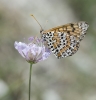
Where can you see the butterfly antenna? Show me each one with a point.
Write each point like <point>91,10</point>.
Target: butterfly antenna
<point>37,22</point>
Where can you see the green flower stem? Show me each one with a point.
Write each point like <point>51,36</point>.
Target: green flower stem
<point>30,79</point>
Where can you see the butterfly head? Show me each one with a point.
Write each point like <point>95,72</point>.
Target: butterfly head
<point>41,30</point>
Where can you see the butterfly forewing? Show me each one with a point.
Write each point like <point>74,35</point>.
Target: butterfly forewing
<point>65,40</point>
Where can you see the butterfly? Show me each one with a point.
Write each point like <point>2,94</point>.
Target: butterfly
<point>64,40</point>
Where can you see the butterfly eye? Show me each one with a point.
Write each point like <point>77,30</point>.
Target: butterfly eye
<point>41,30</point>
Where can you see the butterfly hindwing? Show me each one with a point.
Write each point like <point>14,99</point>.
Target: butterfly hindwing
<point>64,40</point>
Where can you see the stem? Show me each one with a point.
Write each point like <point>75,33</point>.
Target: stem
<point>30,80</point>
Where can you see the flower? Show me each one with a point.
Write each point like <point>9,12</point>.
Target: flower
<point>34,51</point>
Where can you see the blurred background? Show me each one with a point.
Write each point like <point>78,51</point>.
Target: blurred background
<point>72,78</point>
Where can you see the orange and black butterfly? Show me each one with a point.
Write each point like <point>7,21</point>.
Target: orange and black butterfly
<point>64,40</point>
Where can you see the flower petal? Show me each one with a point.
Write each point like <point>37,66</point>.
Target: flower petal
<point>33,52</point>
<point>20,47</point>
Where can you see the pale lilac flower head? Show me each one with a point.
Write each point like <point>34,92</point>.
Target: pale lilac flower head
<point>34,51</point>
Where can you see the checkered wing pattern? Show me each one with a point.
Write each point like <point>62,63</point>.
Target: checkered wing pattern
<point>65,40</point>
